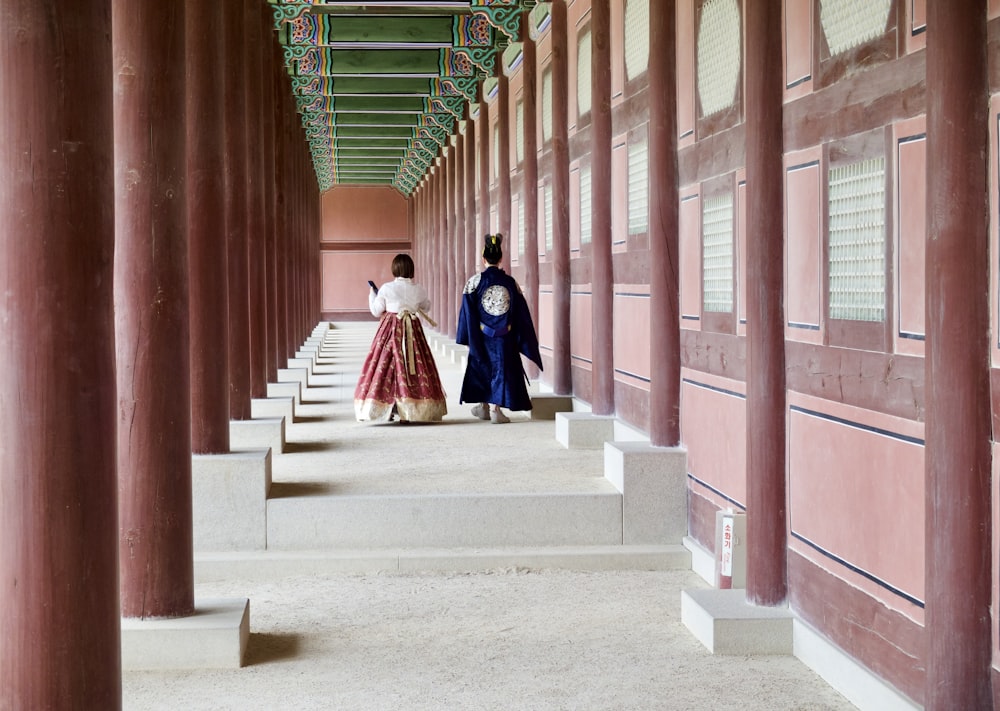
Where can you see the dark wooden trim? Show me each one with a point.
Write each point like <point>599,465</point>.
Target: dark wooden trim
<point>889,383</point>
<point>881,50</point>
<point>885,641</point>
<point>373,246</point>
<point>869,100</point>
<point>715,353</point>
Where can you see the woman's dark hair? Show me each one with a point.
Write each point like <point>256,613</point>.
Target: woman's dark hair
<point>492,251</point>
<point>402,266</point>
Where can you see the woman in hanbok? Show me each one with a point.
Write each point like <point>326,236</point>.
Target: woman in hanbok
<point>399,375</point>
<point>496,325</point>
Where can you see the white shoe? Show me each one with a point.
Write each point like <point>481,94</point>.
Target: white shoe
<point>483,413</point>
<point>499,418</point>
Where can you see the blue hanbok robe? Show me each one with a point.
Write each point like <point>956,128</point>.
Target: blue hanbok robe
<point>496,325</point>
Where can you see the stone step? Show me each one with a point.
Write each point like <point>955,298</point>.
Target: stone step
<point>265,565</point>
<point>444,520</point>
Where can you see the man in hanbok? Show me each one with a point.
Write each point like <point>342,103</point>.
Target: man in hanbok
<point>496,325</point>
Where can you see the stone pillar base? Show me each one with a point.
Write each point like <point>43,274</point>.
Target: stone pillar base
<point>293,390</point>
<point>229,500</point>
<point>726,623</point>
<point>583,430</point>
<point>294,375</point>
<point>653,484</point>
<point>272,407</point>
<point>214,637</point>
<point>257,434</point>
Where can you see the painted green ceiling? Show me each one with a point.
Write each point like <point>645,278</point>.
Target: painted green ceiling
<point>382,85</point>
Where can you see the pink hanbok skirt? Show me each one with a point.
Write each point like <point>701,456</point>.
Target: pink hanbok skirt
<point>399,371</point>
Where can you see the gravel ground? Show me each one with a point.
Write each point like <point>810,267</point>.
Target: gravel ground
<point>507,639</point>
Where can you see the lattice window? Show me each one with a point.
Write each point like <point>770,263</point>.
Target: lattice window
<point>586,205</point>
<point>496,151</point>
<point>638,186</point>
<point>519,131</point>
<point>547,104</point>
<point>857,240</point>
<point>718,55</point>
<point>583,71</point>
<point>850,23</point>
<point>636,37</point>
<point>548,217</point>
<point>717,253</point>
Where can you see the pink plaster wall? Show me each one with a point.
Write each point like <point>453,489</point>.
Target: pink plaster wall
<point>345,276</point>
<point>713,428</point>
<point>619,192</point>
<point>803,253</point>
<point>741,252</point>
<point>690,249</point>
<point>631,333</point>
<point>798,48</point>
<point>916,12</point>
<point>577,18</point>
<point>353,213</point>
<point>994,191</point>
<point>574,208</point>
<point>910,194</point>
<point>546,337</point>
<point>355,220</point>
<point>685,72</point>
<point>581,315</point>
<point>995,545</point>
<point>617,51</point>
<point>855,490</point>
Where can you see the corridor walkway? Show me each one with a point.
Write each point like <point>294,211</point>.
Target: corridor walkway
<point>508,637</point>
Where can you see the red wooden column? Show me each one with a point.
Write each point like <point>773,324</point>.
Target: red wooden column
<point>602,277</point>
<point>235,208</point>
<point>958,570</point>
<point>440,279</point>
<point>766,539</point>
<point>273,359</point>
<point>59,620</point>
<point>151,311</point>
<point>256,242</point>
<point>503,160</point>
<point>209,280</point>
<point>458,233</point>
<point>483,199</point>
<point>449,320</point>
<point>562,375</point>
<point>473,248</point>
<point>664,283</point>
<point>282,94</point>
<point>529,66</point>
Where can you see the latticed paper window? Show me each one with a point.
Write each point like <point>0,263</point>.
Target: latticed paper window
<point>586,205</point>
<point>717,253</point>
<point>638,186</point>
<point>519,131</point>
<point>857,240</point>
<point>850,23</point>
<point>548,217</point>
<point>636,37</point>
<point>583,72</point>
<point>496,150</point>
<point>547,104</point>
<point>718,55</point>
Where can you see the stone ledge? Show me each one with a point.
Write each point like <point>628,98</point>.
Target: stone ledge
<point>214,637</point>
<point>726,623</point>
